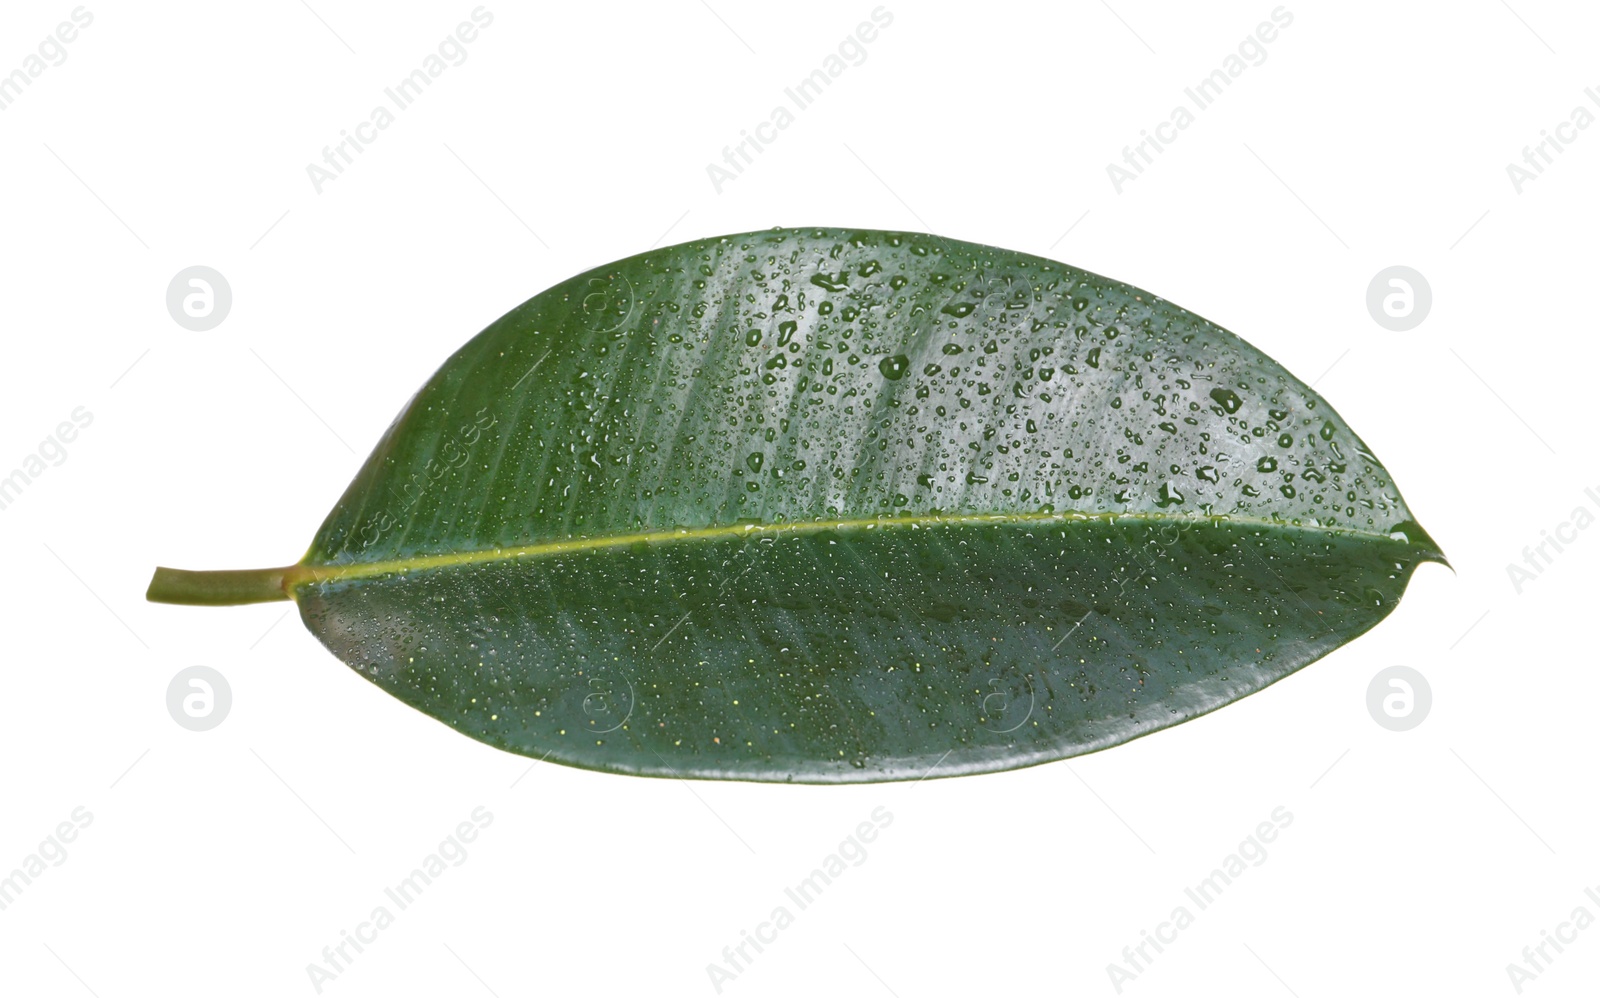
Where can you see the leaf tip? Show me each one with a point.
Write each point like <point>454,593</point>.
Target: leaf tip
<point>1410,532</point>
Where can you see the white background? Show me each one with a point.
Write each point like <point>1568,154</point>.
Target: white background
<point>222,863</point>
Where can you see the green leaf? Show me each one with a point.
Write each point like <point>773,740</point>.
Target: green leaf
<point>843,505</point>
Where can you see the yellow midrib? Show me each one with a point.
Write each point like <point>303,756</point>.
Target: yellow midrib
<point>302,574</point>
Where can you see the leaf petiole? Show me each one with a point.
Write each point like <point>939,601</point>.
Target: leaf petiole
<point>233,587</point>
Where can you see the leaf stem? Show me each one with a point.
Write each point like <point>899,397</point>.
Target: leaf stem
<point>219,588</point>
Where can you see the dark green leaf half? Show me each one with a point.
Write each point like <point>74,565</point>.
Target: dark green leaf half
<point>839,505</point>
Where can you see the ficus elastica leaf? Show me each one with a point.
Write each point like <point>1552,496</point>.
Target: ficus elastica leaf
<point>826,505</point>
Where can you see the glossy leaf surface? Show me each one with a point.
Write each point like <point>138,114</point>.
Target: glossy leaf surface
<point>835,505</point>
